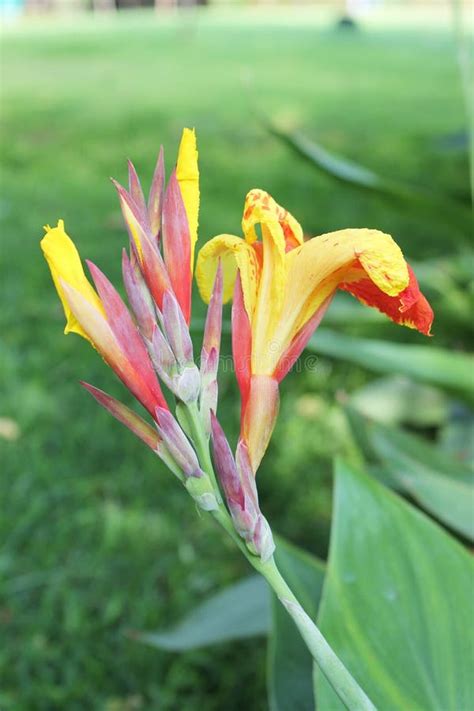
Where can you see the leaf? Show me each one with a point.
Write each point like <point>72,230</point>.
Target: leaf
<point>239,611</point>
<point>457,438</point>
<point>289,662</point>
<point>440,207</point>
<point>404,401</point>
<point>441,485</point>
<point>427,364</point>
<point>397,602</point>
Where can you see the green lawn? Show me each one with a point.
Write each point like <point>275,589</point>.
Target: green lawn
<point>97,537</point>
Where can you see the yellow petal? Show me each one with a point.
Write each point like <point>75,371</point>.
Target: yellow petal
<point>234,253</point>
<point>65,265</point>
<point>317,268</point>
<point>261,208</point>
<point>187,173</point>
<point>269,302</point>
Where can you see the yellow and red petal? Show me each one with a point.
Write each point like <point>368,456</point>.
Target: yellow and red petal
<point>408,308</point>
<point>128,338</point>
<point>65,264</point>
<point>316,269</point>
<point>261,208</point>
<point>98,331</point>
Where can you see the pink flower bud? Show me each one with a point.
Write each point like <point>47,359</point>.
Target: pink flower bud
<point>238,483</point>
<point>176,330</point>
<point>155,199</point>
<point>177,443</point>
<point>138,295</point>
<point>210,352</point>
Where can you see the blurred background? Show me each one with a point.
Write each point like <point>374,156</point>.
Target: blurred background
<point>350,115</point>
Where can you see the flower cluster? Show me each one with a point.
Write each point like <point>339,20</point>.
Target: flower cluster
<point>281,286</point>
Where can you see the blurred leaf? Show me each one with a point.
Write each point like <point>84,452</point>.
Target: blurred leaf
<point>439,207</point>
<point>397,602</point>
<point>439,483</point>
<point>239,611</point>
<point>403,401</point>
<point>428,364</point>
<point>457,439</point>
<point>289,662</point>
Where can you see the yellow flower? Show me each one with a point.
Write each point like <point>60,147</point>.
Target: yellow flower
<point>283,290</point>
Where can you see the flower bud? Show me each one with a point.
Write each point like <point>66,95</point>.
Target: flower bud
<point>238,483</point>
<point>177,443</point>
<point>176,330</point>
<point>210,352</point>
<point>202,492</point>
<point>188,384</point>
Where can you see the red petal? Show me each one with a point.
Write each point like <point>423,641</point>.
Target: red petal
<point>409,308</point>
<point>127,417</point>
<point>155,199</point>
<point>145,384</point>
<point>213,327</point>
<point>138,295</point>
<point>241,343</point>
<point>135,189</point>
<point>177,245</point>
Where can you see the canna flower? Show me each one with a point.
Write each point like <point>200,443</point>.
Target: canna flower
<point>153,338</point>
<point>282,286</point>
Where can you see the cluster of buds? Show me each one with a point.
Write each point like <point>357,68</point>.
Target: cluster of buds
<point>238,483</point>
<point>281,286</point>
<point>150,343</point>
<point>158,280</point>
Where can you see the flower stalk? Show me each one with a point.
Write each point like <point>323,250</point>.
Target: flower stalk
<point>343,683</point>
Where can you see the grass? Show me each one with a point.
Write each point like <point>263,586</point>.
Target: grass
<point>97,538</point>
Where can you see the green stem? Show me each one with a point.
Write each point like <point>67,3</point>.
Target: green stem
<point>343,683</point>
<point>345,686</point>
<point>201,442</point>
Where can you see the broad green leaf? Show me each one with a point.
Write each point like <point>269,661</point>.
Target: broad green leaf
<point>239,611</point>
<point>289,662</point>
<point>397,602</point>
<point>457,438</point>
<point>427,364</point>
<point>426,205</point>
<point>444,486</point>
<point>441,485</point>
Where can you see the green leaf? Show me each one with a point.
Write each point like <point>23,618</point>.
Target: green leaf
<point>404,401</point>
<point>397,602</point>
<point>457,439</point>
<point>427,364</point>
<point>425,204</point>
<point>289,662</point>
<point>443,486</point>
<point>239,611</point>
